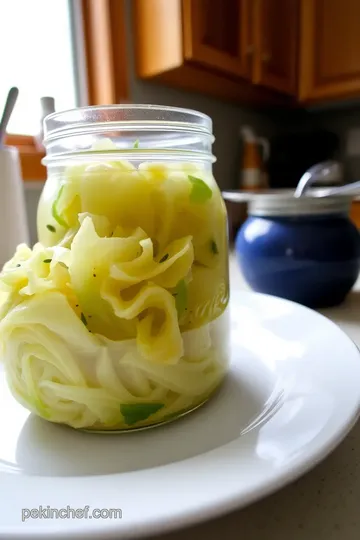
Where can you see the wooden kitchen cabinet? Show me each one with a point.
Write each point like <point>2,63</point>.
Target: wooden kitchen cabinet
<point>329,49</point>
<point>217,35</point>
<point>252,51</point>
<point>276,44</point>
<point>218,47</point>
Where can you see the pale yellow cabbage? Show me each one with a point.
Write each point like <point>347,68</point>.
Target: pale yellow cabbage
<point>104,287</point>
<point>116,318</point>
<point>62,372</point>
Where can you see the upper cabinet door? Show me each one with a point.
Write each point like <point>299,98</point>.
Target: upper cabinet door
<point>276,37</point>
<point>330,49</point>
<point>217,34</point>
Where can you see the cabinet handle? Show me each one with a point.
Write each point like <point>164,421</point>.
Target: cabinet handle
<point>266,58</point>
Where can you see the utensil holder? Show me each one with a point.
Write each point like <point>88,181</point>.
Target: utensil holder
<point>13,219</point>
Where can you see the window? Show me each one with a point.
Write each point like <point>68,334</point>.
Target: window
<point>40,60</point>
<point>71,50</point>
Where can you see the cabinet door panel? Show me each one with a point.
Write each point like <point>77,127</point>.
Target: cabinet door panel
<point>330,48</point>
<point>217,34</point>
<point>276,37</point>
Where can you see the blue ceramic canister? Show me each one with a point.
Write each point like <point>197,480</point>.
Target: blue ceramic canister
<point>306,249</point>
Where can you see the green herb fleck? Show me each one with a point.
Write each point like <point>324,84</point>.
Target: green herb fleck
<point>47,260</point>
<point>51,228</point>
<point>136,412</point>
<point>18,265</point>
<point>214,248</point>
<point>136,144</point>
<point>181,297</point>
<point>54,209</point>
<point>164,258</point>
<point>200,191</point>
<point>83,319</point>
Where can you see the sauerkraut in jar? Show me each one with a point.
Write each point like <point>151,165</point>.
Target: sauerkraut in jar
<point>117,318</point>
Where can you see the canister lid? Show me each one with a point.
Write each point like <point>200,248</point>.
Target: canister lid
<point>277,204</point>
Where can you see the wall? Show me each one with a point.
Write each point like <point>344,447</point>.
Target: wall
<point>342,121</point>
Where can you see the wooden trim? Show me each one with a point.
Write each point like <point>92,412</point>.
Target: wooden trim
<point>30,157</point>
<point>355,213</point>
<point>31,166</point>
<point>119,50</point>
<point>332,92</point>
<point>98,47</point>
<point>20,140</point>
<point>105,47</point>
<point>158,36</point>
<point>220,87</point>
<point>188,25</point>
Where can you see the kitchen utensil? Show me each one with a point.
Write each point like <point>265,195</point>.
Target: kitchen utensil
<point>348,189</point>
<point>253,173</point>
<point>13,220</point>
<point>47,105</point>
<point>327,170</point>
<point>7,112</point>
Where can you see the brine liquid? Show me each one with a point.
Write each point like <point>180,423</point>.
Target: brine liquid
<point>117,318</point>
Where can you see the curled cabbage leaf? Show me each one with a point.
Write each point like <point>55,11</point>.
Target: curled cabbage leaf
<point>35,271</point>
<point>124,289</point>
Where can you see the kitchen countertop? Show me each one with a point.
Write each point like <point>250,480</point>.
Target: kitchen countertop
<point>322,505</point>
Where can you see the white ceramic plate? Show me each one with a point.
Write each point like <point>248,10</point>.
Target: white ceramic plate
<point>292,394</point>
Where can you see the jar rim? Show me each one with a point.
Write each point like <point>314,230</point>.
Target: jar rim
<point>126,116</point>
<point>164,132</point>
<point>277,205</point>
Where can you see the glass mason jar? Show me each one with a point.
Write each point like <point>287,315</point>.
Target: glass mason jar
<point>127,324</point>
